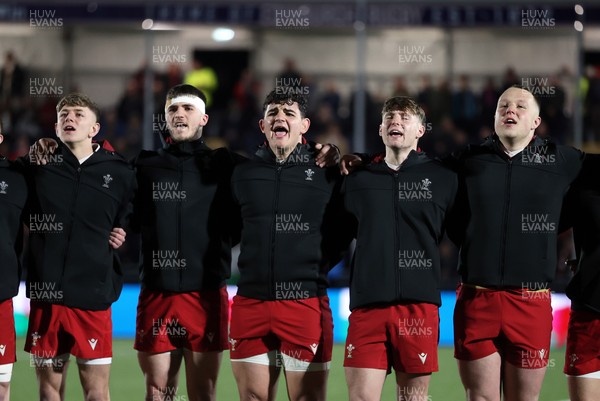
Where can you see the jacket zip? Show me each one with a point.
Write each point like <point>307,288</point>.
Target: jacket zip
<point>395,196</point>
<point>178,243</point>
<point>73,203</point>
<point>505,221</point>
<point>274,224</point>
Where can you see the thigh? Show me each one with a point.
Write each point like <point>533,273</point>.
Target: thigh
<point>583,389</point>
<point>412,387</point>
<point>522,384</point>
<point>365,384</point>
<point>94,380</point>
<point>255,381</point>
<point>307,385</point>
<point>202,370</point>
<point>481,377</point>
<point>161,370</point>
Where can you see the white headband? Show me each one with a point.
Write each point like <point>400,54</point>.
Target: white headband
<point>193,100</point>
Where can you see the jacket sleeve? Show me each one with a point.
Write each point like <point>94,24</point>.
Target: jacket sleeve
<point>125,213</point>
<point>339,227</point>
<point>458,215</point>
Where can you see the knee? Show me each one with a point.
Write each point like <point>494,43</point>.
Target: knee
<point>97,395</point>
<point>4,387</point>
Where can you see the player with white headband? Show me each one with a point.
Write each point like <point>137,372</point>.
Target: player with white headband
<point>185,214</point>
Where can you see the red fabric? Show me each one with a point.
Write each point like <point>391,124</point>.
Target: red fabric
<point>515,323</point>
<point>104,144</point>
<point>57,329</point>
<point>300,328</point>
<point>7,333</point>
<point>583,343</point>
<point>193,320</point>
<point>404,336</point>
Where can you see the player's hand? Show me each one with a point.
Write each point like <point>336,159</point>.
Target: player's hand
<point>41,149</point>
<point>117,237</point>
<point>329,155</point>
<point>349,162</point>
<point>572,264</point>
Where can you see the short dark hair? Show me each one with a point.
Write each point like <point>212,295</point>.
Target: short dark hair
<point>185,89</point>
<point>525,88</point>
<point>287,95</point>
<point>81,100</point>
<point>404,103</point>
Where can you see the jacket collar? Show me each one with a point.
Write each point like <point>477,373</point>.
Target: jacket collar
<point>494,143</point>
<point>187,147</point>
<point>413,158</point>
<point>265,153</point>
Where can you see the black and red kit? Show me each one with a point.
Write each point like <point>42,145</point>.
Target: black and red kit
<point>401,216</point>
<point>511,209</point>
<point>74,208</point>
<point>292,233</point>
<point>185,214</point>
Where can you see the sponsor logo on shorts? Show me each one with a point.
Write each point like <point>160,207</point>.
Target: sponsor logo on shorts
<point>34,337</point>
<point>210,337</point>
<point>3,186</point>
<point>422,357</point>
<point>572,359</point>
<point>314,348</point>
<point>350,348</point>
<point>93,342</point>
<point>2,349</point>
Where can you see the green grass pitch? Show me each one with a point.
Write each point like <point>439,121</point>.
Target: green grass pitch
<point>126,382</point>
